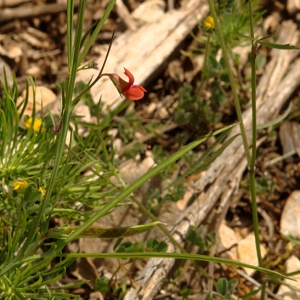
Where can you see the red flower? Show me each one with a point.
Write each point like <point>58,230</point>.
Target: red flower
<point>128,89</point>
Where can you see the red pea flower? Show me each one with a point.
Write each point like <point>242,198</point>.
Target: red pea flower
<point>127,89</point>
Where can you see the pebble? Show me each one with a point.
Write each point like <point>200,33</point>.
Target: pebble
<point>290,218</point>
<point>247,252</point>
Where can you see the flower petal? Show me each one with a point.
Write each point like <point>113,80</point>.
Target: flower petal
<point>136,92</point>
<point>130,77</point>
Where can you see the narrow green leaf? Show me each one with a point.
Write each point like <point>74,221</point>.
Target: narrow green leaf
<point>70,15</point>
<point>277,120</point>
<point>279,46</point>
<point>55,296</point>
<point>251,294</point>
<point>199,164</point>
<point>36,284</point>
<point>265,37</point>
<point>215,155</point>
<point>70,286</point>
<point>186,256</point>
<point>87,34</point>
<point>97,232</point>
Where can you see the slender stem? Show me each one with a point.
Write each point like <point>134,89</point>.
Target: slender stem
<point>252,182</point>
<point>253,157</point>
<point>67,111</point>
<point>231,80</point>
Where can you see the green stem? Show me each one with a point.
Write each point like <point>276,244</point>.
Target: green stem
<point>252,182</point>
<point>231,80</point>
<point>67,111</point>
<point>253,157</point>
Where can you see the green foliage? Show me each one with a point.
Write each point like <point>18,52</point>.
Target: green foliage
<point>203,242</point>
<point>251,294</point>
<point>39,180</point>
<point>175,193</point>
<point>234,16</point>
<point>154,200</point>
<point>152,245</point>
<point>156,197</point>
<point>185,293</point>
<point>195,109</point>
<point>195,112</point>
<point>226,288</point>
<point>102,285</point>
<point>263,186</point>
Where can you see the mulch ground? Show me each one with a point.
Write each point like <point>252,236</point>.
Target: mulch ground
<point>33,42</point>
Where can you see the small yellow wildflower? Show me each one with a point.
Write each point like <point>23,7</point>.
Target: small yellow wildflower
<point>209,22</point>
<point>36,125</point>
<point>20,186</point>
<point>42,191</point>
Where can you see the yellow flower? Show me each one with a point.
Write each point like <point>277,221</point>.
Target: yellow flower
<point>209,22</point>
<point>36,125</point>
<point>42,191</point>
<point>20,186</point>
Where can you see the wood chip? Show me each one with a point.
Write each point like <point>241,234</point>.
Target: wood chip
<point>11,3</point>
<point>289,133</point>
<point>31,40</point>
<point>37,33</point>
<point>125,15</point>
<point>9,14</point>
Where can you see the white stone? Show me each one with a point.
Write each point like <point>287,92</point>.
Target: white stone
<point>291,265</point>
<point>247,252</point>
<point>226,239</point>
<point>290,218</point>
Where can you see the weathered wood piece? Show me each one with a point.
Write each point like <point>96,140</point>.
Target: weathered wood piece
<point>125,15</point>
<point>281,78</point>
<point>145,51</point>
<point>289,133</point>
<point>9,14</point>
<point>10,3</point>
